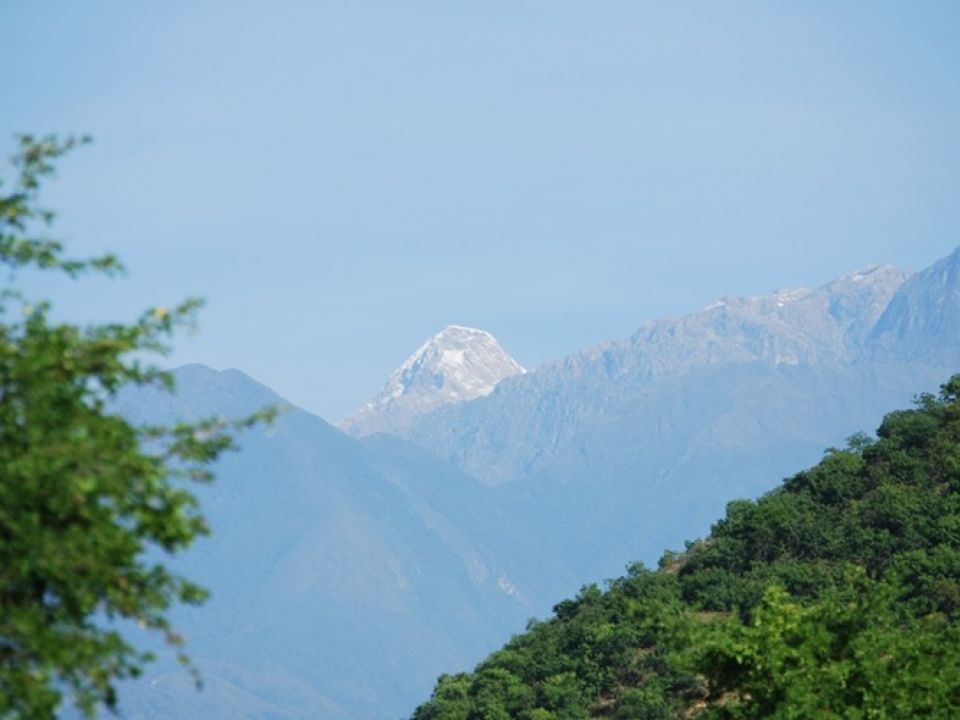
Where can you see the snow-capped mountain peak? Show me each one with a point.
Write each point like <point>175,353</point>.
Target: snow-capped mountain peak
<point>456,365</point>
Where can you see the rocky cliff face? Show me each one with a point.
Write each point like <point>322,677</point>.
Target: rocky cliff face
<point>456,365</point>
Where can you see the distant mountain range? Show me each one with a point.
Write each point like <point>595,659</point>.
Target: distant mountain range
<point>348,571</point>
<point>521,429</point>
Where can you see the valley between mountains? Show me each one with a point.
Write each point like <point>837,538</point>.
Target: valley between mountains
<point>351,566</point>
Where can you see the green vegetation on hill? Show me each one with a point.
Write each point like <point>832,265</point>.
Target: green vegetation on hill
<point>837,595</point>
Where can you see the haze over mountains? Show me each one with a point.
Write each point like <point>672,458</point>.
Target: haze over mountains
<point>344,575</point>
<point>348,572</point>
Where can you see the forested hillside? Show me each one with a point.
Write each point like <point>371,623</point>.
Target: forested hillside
<point>837,595</point>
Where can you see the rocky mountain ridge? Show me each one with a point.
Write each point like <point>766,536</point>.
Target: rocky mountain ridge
<point>691,411</point>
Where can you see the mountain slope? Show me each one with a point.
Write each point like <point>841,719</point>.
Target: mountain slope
<point>922,323</point>
<point>329,565</point>
<point>837,594</point>
<point>456,365</point>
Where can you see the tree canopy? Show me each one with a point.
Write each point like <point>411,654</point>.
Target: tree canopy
<point>83,492</point>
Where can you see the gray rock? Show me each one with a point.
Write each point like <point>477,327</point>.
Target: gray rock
<point>456,365</point>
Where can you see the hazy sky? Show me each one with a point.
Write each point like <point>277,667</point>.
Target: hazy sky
<point>341,179</point>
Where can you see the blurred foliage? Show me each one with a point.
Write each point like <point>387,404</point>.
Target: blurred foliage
<point>837,595</point>
<point>83,493</point>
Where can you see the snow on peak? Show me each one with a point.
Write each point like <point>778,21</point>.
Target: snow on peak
<point>789,295</point>
<point>456,365</point>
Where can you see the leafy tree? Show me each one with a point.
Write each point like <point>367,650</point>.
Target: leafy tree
<point>644,703</point>
<point>451,700</point>
<point>83,493</point>
<point>852,654</point>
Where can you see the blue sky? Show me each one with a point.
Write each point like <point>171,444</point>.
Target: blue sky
<point>341,179</point>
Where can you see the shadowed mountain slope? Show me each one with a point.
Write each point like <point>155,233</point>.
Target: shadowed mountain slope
<point>344,575</point>
<point>922,322</point>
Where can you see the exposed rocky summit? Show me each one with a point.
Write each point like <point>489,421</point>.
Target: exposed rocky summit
<point>456,365</point>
